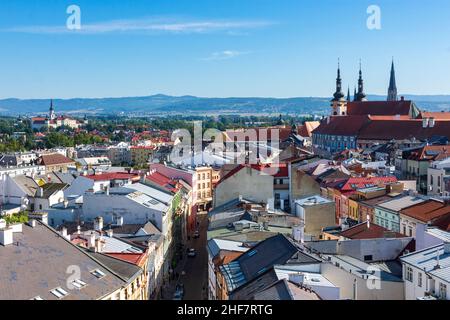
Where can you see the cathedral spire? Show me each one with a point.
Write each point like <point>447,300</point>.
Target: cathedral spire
<point>360,96</point>
<point>349,98</point>
<point>338,95</point>
<point>51,113</point>
<point>392,91</point>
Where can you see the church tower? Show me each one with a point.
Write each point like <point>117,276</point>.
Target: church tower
<point>339,104</point>
<point>51,114</point>
<point>392,91</point>
<point>360,95</point>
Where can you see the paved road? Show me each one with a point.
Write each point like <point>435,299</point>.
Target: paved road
<point>196,269</point>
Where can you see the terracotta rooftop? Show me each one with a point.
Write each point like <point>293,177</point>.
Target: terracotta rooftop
<point>403,129</point>
<point>366,182</point>
<point>54,159</point>
<point>361,231</point>
<point>380,108</point>
<point>113,176</point>
<point>427,211</point>
<point>343,126</point>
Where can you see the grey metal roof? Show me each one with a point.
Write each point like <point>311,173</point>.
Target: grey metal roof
<point>277,250</point>
<point>427,260</point>
<point>38,262</point>
<point>126,270</point>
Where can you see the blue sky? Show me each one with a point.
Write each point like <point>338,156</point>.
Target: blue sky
<point>220,48</point>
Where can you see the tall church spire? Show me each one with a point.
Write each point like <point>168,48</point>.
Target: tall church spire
<point>349,98</point>
<point>360,96</point>
<point>338,95</point>
<point>51,113</point>
<point>392,91</point>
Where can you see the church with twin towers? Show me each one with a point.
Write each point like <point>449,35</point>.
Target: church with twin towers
<point>339,101</point>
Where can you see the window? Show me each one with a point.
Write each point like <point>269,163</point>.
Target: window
<point>409,274</point>
<point>443,291</point>
<point>79,284</point>
<point>419,279</point>
<point>98,273</point>
<point>368,258</point>
<point>59,292</point>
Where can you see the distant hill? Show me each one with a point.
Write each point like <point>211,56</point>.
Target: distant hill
<point>163,105</point>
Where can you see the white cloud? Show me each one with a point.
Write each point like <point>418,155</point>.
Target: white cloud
<point>225,55</point>
<point>147,26</point>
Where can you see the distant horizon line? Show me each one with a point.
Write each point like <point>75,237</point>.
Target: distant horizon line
<point>219,97</point>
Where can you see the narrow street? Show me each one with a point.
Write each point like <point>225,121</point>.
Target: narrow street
<point>196,269</point>
<point>195,277</point>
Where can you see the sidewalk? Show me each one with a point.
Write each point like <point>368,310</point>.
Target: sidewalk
<point>169,288</point>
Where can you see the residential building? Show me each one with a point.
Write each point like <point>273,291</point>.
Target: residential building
<point>425,273</point>
<point>141,155</point>
<point>43,247</point>
<point>387,214</point>
<point>438,181</point>
<point>315,213</point>
<point>55,162</point>
<point>415,219</point>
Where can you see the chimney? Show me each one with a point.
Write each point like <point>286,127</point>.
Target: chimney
<point>425,123</point>
<point>119,221</point>
<point>98,224</point>
<point>32,223</point>
<point>99,245</point>
<point>368,221</point>
<point>91,240</point>
<point>402,98</point>
<point>40,192</point>
<point>328,119</point>
<point>78,230</point>
<point>66,203</point>
<point>6,236</point>
<point>110,233</point>
<point>431,122</point>
<point>64,232</point>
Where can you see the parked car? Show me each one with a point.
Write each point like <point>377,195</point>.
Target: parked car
<point>179,293</point>
<point>192,253</point>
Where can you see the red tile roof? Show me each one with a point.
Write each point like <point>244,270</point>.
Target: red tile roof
<point>435,115</point>
<point>366,182</point>
<point>114,176</point>
<point>427,211</point>
<point>379,108</point>
<point>282,170</point>
<point>163,181</point>
<point>375,231</point>
<point>443,222</point>
<point>430,153</point>
<point>262,134</point>
<point>134,258</point>
<point>402,129</point>
<point>55,159</point>
<point>342,126</point>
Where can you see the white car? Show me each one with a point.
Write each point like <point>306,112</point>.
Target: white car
<point>192,253</point>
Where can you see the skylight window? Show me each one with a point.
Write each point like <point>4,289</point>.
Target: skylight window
<point>37,298</point>
<point>98,273</point>
<point>252,253</point>
<point>79,284</point>
<point>59,293</point>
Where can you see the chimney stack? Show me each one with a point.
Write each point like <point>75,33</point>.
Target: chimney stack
<point>6,236</point>
<point>431,122</point>
<point>98,224</point>
<point>64,233</point>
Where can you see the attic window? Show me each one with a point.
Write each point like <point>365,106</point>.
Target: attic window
<point>59,292</point>
<point>98,273</point>
<point>79,284</point>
